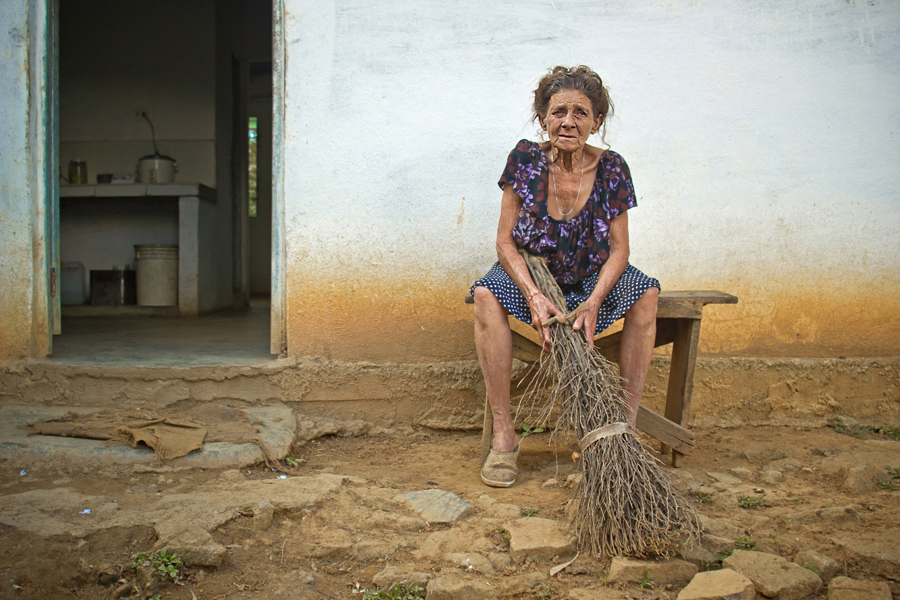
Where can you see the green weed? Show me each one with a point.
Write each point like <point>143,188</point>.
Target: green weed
<point>891,432</point>
<point>752,502</point>
<point>703,498</point>
<point>528,430</point>
<point>646,580</point>
<point>894,473</point>
<point>396,591</point>
<point>744,543</point>
<point>529,512</point>
<point>890,485</point>
<point>167,565</point>
<point>293,463</point>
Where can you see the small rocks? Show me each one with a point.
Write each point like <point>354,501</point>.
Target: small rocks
<point>858,480</point>
<point>844,588</point>
<point>552,482</point>
<point>390,575</point>
<point>453,587</point>
<point>539,540</point>
<point>725,584</point>
<point>725,478</point>
<point>742,473</point>
<point>598,594</point>
<point>826,567</point>
<point>470,561</point>
<point>624,570</point>
<point>196,547</point>
<point>771,476</point>
<point>832,515</point>
<point>880,555</point>
<point>515,585</point>
<point>263,513</point>
<point>697,555</point>
<point>436,506</point>
<point>773,576</point>
<point>717,544</point>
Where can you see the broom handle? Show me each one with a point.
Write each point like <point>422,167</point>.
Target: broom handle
<point>540,274</point>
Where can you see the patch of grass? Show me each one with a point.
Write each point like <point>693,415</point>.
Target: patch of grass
<point>723,555</point>
<point>293,463</point>
<point>894,473</point>
<point>396,591</point>
<point>891,432</point>
<point>529,430</point>
<point>800,500</point>
<point>753,502</point>
<point>529,512</point>
<point>890,485</point>
<point>712,565</point>
<point>704,498</point>
<point>744,543</point>
<point>839,426</point>
<point>168,565</point>
<point>646,580</point>
<point>548,594</point>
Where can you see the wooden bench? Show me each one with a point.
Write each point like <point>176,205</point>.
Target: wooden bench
<point>677,323</point>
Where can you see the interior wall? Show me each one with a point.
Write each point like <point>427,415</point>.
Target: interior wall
<point>761,138</point>
<point>261,225</point>
<point>119,57</point>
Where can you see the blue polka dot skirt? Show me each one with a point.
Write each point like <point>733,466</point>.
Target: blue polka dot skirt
<point>624,294</point>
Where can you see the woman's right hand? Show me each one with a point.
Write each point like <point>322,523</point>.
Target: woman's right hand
<point>541,310</point>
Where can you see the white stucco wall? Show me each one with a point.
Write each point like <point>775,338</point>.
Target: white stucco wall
<point>762,138</point>
<point>23,306</point>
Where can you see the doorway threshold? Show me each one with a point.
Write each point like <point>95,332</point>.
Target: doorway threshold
<point>233,338</point>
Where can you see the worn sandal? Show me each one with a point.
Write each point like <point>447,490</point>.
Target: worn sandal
<point>500,469</point>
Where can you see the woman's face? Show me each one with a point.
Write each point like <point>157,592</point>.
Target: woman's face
<point>569,120</point>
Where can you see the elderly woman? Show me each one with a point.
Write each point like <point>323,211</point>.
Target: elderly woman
<point>567,201</point>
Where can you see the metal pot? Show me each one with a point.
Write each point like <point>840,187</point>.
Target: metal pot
<point>156,168</point>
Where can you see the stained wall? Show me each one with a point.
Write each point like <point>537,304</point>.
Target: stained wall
<point>762,138</point>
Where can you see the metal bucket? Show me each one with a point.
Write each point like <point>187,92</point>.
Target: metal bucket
<point>157,274</point>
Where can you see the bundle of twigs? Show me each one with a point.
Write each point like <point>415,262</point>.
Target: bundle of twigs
<point>625,503</point>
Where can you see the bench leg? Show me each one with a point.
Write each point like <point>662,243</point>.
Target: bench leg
<point>681,376</point>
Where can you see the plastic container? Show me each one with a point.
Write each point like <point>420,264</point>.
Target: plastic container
<point>71,283</point>
<point>78,172</point>
<point>157,274</point>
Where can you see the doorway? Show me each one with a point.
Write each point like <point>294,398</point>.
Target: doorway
<point>138,79</point>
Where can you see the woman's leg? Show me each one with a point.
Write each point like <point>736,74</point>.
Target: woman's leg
<point>493,341</point>
<point>636,349</point>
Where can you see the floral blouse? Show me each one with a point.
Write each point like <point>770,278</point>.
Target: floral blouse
<point>579,246</point>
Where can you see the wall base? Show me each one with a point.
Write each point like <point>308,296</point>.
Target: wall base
<point>728,392</point>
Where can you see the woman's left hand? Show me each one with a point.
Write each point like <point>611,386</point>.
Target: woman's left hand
<point>586,320</point>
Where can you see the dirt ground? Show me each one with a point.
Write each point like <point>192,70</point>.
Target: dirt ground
<point>833,493</point>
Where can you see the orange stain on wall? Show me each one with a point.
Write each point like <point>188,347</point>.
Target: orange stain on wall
<point>415,321</point>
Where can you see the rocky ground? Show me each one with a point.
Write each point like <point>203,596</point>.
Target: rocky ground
<point>787,512</point>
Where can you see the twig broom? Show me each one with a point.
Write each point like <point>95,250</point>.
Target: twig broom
<point>625,503</point>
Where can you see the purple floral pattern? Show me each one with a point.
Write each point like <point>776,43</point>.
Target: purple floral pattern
<point>578,247</point>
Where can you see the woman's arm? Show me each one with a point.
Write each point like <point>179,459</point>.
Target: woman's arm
<point>541,308</point>
<point>610,273</point>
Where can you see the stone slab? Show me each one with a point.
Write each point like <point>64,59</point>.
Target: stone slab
<point>725,584</point>
<point>276,426</point>
<point>539,540</point>
<point>660,572</point>
<point>436,506</point>
<point>774,576</point>
<point>844,588</point>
